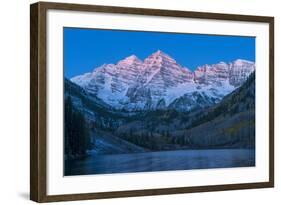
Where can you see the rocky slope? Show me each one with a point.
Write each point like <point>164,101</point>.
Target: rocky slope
<point>159,82</point>
<point>228,124</point>
<point>94,109</point>
<point>101,119</point>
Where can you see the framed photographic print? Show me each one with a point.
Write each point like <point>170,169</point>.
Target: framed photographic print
<point>134,102</point>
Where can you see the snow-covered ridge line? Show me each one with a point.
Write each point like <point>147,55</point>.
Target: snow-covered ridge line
<point>160,82</point>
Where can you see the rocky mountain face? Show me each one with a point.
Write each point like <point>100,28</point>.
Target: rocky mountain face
<point>94,109</point>
<point>233,118</point>
<point>228,124</point>
<point>159,82</point>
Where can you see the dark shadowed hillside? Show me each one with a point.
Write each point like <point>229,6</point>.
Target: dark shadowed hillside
<point>230,123</point>
<point>102,120</point>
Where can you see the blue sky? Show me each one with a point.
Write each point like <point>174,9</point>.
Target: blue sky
<point>86,49</point>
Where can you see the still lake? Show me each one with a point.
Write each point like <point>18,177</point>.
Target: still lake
<point>161,161</point>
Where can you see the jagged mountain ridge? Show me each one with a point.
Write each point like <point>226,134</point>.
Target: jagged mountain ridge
<point>228,124</point>
<point>159,82</point>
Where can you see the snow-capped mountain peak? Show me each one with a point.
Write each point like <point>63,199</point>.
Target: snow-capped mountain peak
<point>158,58</point>
<point>242,61</point>
<point>160,82</point>
<point>130,60</point>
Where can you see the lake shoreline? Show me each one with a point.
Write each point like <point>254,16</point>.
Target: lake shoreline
<point>187,149</point>
<point>161,161</point>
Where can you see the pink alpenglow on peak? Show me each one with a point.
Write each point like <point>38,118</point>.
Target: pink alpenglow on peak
<point>158,57</point>
<point>159,81</point>
<point>133,59</point>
